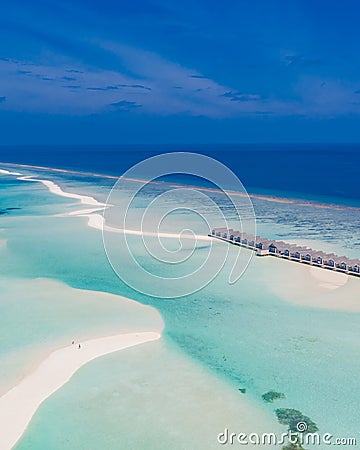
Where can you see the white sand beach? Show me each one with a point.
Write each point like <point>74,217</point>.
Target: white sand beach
<point>56,189</point>
<point>7,172</point>
<point>97,221</point>
<point>19,404</point>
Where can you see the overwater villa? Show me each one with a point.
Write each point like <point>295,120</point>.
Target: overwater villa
<point>281,249</point>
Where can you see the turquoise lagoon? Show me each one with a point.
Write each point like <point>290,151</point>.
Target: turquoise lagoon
<point>182,391</point>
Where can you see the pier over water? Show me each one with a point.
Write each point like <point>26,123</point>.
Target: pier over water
<point>280,249</point>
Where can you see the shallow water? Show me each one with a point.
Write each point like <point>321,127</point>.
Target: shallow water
<point>246,334</point>
<point>151,397</point>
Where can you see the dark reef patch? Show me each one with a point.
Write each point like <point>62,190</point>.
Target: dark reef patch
<point>296,421</point>
<point>271,396</point>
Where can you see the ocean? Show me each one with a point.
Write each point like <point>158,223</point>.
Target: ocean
<point>278,328</point>
<point>327,171</point>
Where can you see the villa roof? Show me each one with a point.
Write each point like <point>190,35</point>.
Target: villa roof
<point>354,262</point>
<point>282,246</point>
<point>319,254</point>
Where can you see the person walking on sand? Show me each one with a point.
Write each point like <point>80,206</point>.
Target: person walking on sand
<point>79,346</point>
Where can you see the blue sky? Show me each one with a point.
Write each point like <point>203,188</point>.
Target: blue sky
<point>161,71</point>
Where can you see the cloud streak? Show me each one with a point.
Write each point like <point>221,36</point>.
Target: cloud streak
<point>241,97</point>
<point>125,105</point>
<point>155,85</point>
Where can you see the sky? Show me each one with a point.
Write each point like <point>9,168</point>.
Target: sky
<point>143,71</point>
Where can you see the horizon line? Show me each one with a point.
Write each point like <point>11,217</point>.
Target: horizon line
<point>216,144</point>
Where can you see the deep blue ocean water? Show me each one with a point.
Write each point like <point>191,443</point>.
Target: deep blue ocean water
<point>324,172</point>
